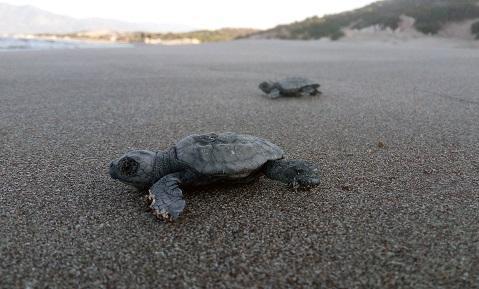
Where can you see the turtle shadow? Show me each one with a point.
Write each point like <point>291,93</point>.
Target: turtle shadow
<point>209,193</point>
<point>309,98</point>
<point>219,188</point>
<point>226,201</point>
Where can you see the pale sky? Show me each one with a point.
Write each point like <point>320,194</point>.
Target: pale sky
<point>201,14</point>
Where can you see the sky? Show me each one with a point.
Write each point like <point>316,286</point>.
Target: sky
<point>198,14</point>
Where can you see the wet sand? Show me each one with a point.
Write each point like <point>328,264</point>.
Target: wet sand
<point>396,133</point>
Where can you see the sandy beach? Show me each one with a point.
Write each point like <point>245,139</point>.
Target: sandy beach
<point>396,133</point>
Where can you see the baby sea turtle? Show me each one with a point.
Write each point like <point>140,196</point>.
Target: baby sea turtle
<point>206,159</point>
<point>292,86</point>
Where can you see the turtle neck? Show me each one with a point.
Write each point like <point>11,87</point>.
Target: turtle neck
<point>166,163</point>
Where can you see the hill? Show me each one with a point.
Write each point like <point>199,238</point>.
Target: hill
<point>29,19</point>
<point>430,17</point>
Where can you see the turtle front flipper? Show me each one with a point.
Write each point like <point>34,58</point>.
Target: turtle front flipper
<point>275,93</point>
<point>167,198</point>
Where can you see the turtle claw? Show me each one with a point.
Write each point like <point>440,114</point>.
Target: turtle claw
<point>162,215</point>
<point>148,199</point>
<point>295,184</point>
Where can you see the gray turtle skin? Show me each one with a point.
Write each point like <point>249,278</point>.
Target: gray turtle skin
<point>207,159</point>
<point>292,86</point>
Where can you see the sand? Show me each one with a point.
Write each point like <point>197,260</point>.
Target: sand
<point>395,131</point>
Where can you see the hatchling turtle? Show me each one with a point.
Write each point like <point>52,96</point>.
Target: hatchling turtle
<point>202,159</point>
<point>292,86</point>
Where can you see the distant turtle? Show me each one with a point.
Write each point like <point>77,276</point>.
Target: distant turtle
<point>206,159</point>
<point>292,86</point>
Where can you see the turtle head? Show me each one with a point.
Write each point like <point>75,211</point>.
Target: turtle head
<point>135,168</point>
<point>266,86</point>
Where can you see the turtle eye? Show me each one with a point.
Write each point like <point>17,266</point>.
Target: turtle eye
<point>128,166</point>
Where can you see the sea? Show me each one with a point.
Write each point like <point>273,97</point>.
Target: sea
<point>11,43</point>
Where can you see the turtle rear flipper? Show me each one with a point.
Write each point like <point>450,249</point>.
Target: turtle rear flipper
<point>167,198</point>
<point>296,173</point>
<point>310,91</point>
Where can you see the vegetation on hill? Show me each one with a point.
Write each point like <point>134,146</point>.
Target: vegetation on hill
<point>430,16</point>
<point>199,36</point>
<point>209,35</point>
